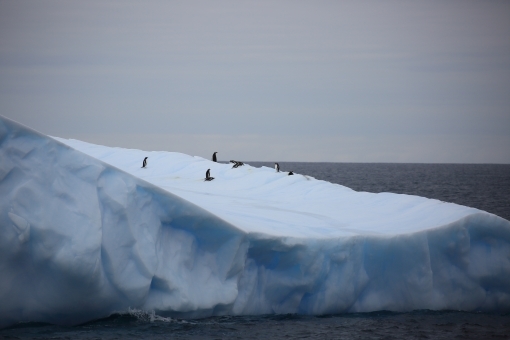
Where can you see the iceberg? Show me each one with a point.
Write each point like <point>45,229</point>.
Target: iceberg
<point>85,231</point>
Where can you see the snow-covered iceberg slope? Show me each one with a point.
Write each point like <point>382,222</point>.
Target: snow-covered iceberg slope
<point>85,231</point>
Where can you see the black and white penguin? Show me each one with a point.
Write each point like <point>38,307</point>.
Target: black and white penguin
<point>236,164</point>
<point>208,175</point>
<point>277,167</point>
<point>144,162</point>
<point>214,157</point>
<point>291,173</point>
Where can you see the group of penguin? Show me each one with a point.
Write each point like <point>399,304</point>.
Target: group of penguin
<point>208,172</point>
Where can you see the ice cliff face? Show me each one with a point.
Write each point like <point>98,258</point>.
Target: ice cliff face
<point>84,232</point>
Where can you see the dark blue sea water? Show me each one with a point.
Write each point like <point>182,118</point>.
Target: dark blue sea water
<point>481,186</point>
<point>379,325</point>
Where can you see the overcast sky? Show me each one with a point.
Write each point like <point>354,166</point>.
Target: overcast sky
<point>335,81</point>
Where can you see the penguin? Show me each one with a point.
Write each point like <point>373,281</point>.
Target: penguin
<point>144,162</point>
<point>214,157</point>
<point>277,167</point>
<point>208,175</point>
<point>236,164</point>
<point>291,173</point>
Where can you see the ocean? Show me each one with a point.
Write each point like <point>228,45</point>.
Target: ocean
<point>482,186</point>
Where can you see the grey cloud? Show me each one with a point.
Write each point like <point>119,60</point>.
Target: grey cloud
<point>307,70</point>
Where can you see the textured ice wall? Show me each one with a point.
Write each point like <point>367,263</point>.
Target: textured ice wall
<point>80,239</point>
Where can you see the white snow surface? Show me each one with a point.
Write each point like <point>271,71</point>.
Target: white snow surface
<point>86,231</point>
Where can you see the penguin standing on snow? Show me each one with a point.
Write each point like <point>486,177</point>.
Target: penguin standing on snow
<point>208,175</point>
<point>144,162</point>
<point>214,157</point>
<point>277,167</point>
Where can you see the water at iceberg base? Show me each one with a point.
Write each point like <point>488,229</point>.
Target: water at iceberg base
<point>86,232</point>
